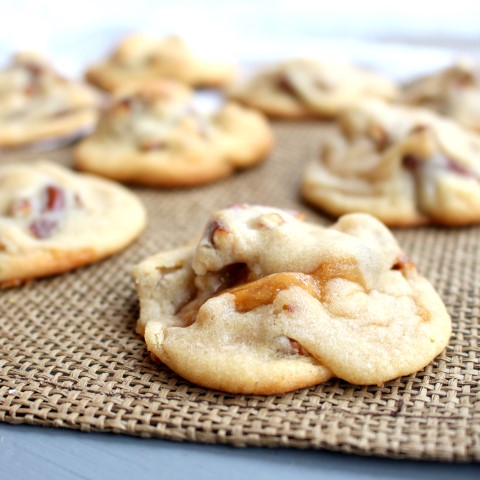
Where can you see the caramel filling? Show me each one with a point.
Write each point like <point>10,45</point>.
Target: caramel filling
<point>208,286</point>
<point>254,294</point>
<point>263,291</point>
<point>236,279</point>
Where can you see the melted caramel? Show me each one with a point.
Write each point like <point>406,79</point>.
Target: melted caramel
<point>263,291</point>
<point>220,281</point>
<point>249,295</point>
<point>189,310</point>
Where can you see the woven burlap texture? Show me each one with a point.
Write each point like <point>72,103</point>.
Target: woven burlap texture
<point>69,356</point>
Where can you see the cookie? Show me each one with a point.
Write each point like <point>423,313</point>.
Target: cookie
<point>53,220</point>
<point>139,59</point>
<point>310,89</point>
<point>155,136</point>
<point>453,92</point>
<point>36,103</point>
<point>405,165</point>
<point>265,303</point>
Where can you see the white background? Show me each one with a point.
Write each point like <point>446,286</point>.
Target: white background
<point>371,32</point>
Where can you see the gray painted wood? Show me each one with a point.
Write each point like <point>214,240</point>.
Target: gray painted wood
<point>36,453</point>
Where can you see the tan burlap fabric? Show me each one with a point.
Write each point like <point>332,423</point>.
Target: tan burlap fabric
<point>69,356</point>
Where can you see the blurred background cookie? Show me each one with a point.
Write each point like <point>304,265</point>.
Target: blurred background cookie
<point>38,104</point>
<point>308,89</point>
<point>407,166</point>
<point>453,92</point>
<point>154,135</point>
<point>139,58</point>
<point>53,220</point>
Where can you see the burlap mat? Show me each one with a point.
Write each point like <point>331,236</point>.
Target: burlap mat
<point>69,356</point>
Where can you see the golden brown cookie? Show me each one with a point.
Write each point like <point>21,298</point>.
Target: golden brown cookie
<point>453,92</point>
<point>310,89</point>
<point>155,136</point>
<point>139,59</point>
<point>53,220</point>
<point>407,166</point>
<point>36,103</point>
<point>265,303</point>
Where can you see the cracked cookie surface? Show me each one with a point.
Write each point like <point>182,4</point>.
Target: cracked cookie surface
<point>407,166</point>
<point>265,303</point>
